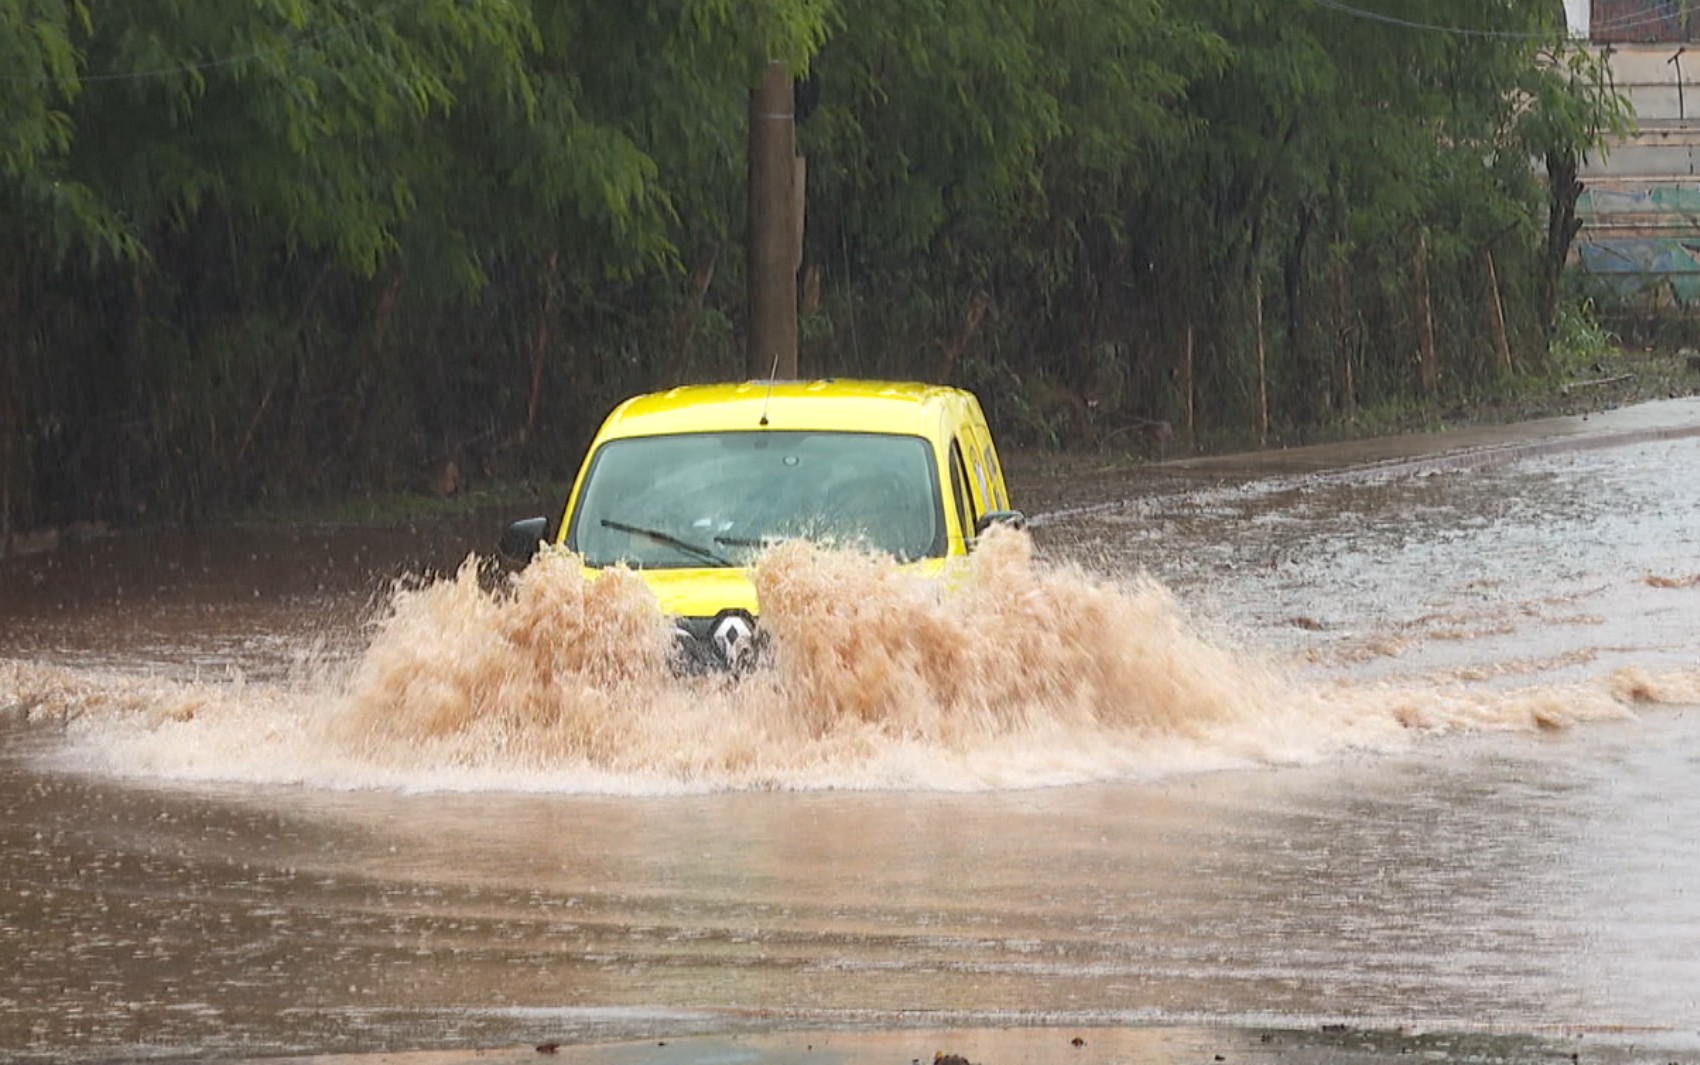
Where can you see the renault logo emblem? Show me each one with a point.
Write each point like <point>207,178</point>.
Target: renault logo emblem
<point>732,633</point>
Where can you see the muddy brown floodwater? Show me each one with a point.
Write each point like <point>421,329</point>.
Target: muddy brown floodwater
<point>1330,755</point>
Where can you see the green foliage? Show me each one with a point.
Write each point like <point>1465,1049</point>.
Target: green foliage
<point>1578,337</point>
<point>36,47</point>
<point>260,250</point>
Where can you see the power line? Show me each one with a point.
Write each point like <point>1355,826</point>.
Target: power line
<point>1460,31</point>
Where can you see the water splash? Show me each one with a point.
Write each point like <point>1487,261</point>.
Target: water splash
<point>1005,673</point>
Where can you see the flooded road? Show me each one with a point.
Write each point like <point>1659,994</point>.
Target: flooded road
<point>1326,741</point>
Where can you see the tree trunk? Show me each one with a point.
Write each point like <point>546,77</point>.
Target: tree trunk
<point>945,371</point>
<point>1308,392</point>
<point>685,322</point>
<point>1563,192</point>
<point>540,344</point>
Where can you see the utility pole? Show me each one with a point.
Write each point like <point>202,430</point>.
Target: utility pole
<point>774,225</point>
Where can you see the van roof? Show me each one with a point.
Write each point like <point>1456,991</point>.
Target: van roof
<point>864,406</point>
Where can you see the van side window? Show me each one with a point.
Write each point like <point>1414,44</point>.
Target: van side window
<point>992,468</point>
<point>959,488</point>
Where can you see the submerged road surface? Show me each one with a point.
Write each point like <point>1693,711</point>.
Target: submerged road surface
<point>1333,755</point>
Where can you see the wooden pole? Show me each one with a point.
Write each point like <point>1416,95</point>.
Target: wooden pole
<point>1428,368</point>
<point>772,258</point>
<point>1262,361</point>
<point>11,405</point>
<point>8,432</point>
<point>1496,312</point>
<point>1348,340</point>
<point>1191,394</point>
<point>1351,388</point>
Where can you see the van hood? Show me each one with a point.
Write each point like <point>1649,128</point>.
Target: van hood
<point>701,593</point>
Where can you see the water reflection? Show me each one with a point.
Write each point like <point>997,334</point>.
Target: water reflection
<point>1475,883</point>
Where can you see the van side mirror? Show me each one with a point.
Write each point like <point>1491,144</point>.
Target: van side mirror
<point>520,540</point>
<point>1014,519</point>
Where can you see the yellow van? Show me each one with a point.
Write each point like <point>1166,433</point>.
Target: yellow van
<point>687,486</point>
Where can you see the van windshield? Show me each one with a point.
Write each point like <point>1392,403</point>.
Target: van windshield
<point>716,499</point>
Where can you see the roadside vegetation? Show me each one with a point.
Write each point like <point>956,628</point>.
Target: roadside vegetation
<point>260,253</point>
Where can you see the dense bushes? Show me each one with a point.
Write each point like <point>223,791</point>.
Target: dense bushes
<point>302,247</point>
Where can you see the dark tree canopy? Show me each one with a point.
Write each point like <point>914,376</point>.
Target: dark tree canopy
<point>294,247</point>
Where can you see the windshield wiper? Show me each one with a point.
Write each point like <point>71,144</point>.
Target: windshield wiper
<point>750,541</point>
<point>670,540</point>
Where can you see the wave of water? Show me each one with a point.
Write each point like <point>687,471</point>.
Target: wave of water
<point>1012,674</point>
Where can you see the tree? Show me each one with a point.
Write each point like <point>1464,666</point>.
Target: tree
<point>301,246</point>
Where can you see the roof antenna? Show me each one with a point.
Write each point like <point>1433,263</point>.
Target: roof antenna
<point>771,374</point>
